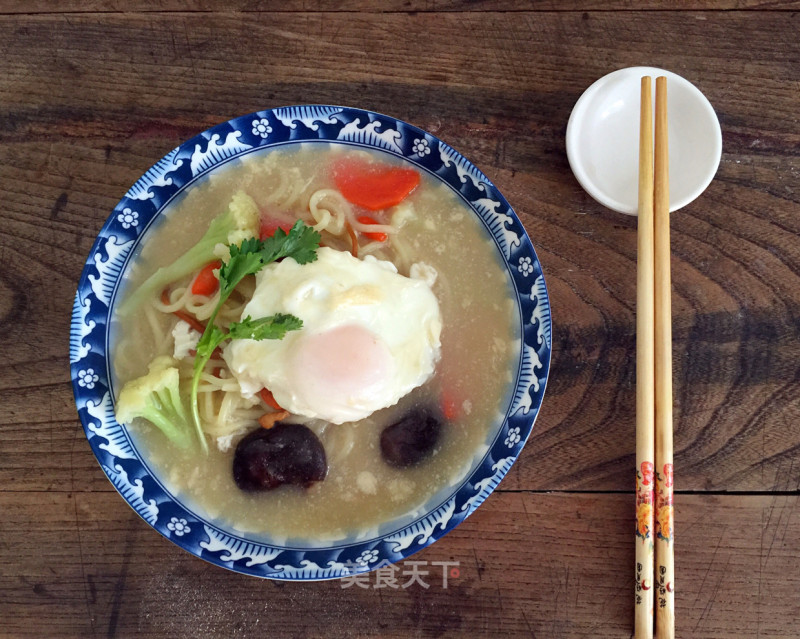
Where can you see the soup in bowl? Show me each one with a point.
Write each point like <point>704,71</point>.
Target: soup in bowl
<point>309,341</point>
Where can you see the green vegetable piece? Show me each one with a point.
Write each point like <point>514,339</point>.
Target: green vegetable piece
<point>156,397</point>
<point>239,222</point>
<point>301,244</point>
<point>212,337</point>
<point>272,327</point>
<point>244,260</point>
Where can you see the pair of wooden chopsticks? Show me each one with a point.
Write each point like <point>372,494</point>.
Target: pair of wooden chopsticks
<point>654,481</point>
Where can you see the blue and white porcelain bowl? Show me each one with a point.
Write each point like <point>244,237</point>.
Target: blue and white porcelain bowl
<point>128,225</point>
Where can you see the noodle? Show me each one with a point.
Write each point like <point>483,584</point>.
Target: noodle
<point>331,219</point>
<point>162,338</point>
<point>370,228</point>
<point>182,299</point>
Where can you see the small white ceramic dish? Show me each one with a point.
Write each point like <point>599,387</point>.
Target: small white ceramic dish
<point>603,139</point>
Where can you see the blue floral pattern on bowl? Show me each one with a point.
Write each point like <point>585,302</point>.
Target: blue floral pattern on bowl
<point>145,201</point>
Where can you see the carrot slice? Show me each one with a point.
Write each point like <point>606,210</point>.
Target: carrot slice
<point>269,399</point>
<point>374,186</point>
<point>451,408</point>
<point>353,238</point>
<point>206,283</point>
<point>378,237</point>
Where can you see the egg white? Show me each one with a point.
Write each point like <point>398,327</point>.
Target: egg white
<point>337,295</point>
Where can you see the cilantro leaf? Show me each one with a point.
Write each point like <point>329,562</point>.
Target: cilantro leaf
<point>245,260</point>
<point>272,327</point>
<point>300,243</point>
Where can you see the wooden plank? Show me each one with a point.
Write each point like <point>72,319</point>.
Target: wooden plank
<point>87,103</point>
<point>90,99</point>
<point>378,6</point>
<point>544,565</point>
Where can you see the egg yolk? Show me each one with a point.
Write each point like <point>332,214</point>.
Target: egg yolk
<point>340,366</point>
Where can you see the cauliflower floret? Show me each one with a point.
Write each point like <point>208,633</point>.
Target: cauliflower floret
<point>156,397</point>
<point>186,339</point>
<point>245,215</point>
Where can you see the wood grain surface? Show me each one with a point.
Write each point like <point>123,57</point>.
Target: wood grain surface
<point>526,567</point>
<point>383,6</point>
<point>90,97</point>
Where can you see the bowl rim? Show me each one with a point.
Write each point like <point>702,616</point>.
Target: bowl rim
<point>144,203</point>
<point>577,119</point>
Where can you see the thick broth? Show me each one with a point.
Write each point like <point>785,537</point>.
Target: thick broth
<point>480,343</point>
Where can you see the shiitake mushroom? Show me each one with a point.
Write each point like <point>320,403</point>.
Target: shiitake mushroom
<point>292,454</point>
<point>283,454</point>
<point>411,439</point>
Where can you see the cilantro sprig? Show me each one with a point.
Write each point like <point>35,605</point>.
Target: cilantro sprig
<point>301,244</point>
<point>272,327</point>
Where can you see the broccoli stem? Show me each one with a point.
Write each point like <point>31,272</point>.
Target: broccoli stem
<point>166,424</point>
<point>196,257</point>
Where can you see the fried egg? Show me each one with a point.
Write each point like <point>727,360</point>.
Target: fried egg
<point>369,336</point>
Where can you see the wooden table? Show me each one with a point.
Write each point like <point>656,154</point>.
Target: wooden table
<point>95,91</point>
